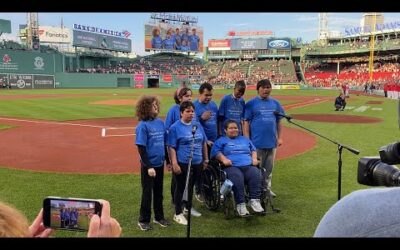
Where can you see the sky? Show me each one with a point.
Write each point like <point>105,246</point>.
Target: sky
<point>215,25</point>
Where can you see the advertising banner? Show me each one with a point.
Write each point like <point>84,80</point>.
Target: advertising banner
<point>49,34</point>
<point>248,44</point>
<point>250,33</point>
<point>43,82</point>
<point>98,41</point>
<point>290,86</point>
<point>138,77</point>
<point>167,78</point>
<point>166,36</point>
<point>26,62</point>
<point>280,43</point>
<point>20,81</point>
<point>219,44</point>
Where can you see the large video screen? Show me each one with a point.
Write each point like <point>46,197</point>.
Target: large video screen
<point>248,44</point>
<point>98,41</point>
<point>165,36</point>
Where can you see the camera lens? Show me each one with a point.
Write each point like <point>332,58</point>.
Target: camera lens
<point>390,154</point>
<point>373,172</point>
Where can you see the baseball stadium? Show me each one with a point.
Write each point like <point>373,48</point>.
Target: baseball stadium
<point>68,122</point>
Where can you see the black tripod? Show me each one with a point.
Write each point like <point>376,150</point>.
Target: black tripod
<point>339,145</point>
<point>188,193</point>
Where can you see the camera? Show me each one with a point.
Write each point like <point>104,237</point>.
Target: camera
<point>69,213</point>
<point>380,171</point>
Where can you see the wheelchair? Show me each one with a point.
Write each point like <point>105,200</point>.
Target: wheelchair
<point>212,179</point>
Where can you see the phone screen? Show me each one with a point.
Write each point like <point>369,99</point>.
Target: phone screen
<point>69,214</point>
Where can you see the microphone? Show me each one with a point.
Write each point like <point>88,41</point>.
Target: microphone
<point>194,128</point>
<point>283,115</point>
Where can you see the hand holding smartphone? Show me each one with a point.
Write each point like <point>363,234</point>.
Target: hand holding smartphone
<point>69,213</point>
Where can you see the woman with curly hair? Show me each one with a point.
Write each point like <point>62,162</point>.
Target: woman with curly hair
<point>150,140</point>
<point>156,41</point>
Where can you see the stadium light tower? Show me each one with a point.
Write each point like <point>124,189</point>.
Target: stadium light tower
<point>323,26</point>
<point>33,29</point>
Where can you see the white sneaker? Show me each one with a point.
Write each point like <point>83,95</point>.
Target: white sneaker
<point>193,212</point>
<point>180,219</point>
<point>242,209</point>
<point>256,205</point>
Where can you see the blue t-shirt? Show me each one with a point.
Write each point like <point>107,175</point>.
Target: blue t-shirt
<point>184,48</point>
<point>209,126</point>
<point>173,115</point>
<point>152,135</point>
<point>233,109</point>
<point>194,42</point>
<point>185,37</point>
<point>263,122</point>
<point>180,138</point>
<point>156,42</point>
<point>238,150</point>
<point>169,43</point>
<point>178,39</point>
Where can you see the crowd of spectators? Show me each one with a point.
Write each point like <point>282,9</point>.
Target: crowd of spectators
<point>227,72</point>
<point>356,75</point>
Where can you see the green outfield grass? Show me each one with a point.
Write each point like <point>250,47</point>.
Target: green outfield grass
<point>306,184</point>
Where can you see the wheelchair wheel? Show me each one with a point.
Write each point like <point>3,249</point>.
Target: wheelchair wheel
<point>210,186</point>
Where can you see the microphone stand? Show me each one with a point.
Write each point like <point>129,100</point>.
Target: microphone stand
<point>185,198</point>
<point>340,148</point>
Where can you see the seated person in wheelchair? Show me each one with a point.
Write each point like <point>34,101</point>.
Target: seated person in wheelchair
<point>239,157</point>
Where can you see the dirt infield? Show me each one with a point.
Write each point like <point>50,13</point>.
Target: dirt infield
<point>374,102</point>
<point>79,147</point>
<point>336,118</point>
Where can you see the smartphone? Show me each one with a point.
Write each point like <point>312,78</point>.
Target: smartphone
<point>69,213</point>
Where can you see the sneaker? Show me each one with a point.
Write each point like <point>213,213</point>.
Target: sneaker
<point>193,212</point>
<point>272,194</point>
<point>180,219</point>
<point>162,222</point>
<point>199,198</point>
<point>242,209</point>
<point>144,226</point>
<point>256,206</point>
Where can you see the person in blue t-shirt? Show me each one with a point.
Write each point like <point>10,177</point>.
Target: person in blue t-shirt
<point>232,107</point>
<point>207,112</point>
<point>174,115</point>
<point>185,36</point>
<point>184,46</point>
<point>150,141</point>
<point>263,127</point>
<point>239,156</point>
<point>169,41</point>
<point>178,39</point>
<point>156,41</point>
<point>194,41</point>
<point>180,141</point>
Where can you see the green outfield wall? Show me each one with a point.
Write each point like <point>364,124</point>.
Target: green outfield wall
<point>30,62</point>
<point>93,80</point>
